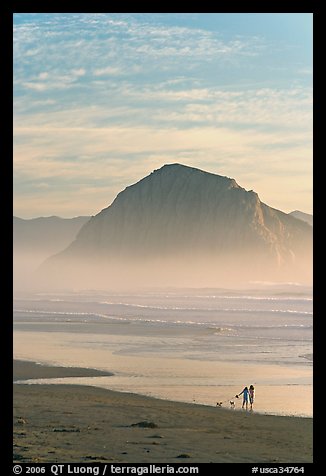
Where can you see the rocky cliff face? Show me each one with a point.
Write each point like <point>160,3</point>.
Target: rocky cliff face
<point>179,216</point>
<point>303,216</point>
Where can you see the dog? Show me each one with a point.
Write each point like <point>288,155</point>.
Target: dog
<point>232,404</point>
<point>219,404</point>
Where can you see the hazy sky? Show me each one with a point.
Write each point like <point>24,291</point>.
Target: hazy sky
<point>101,100</point>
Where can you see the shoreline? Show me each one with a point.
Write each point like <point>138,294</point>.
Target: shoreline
<point>76,423</point>
<point>127,351</point>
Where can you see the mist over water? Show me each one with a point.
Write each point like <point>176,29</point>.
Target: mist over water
<point>181,227</point>
<point>32,272</point>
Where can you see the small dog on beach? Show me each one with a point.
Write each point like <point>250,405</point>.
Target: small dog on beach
<point>219,404</point>
<point>232,404</point>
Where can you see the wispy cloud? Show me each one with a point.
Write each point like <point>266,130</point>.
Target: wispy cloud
<point>107,71</point>
<point>97,43</point>
<point>103,99</point>
<point>100,153</point>
<point>46,81</point>
<point>289,108</point>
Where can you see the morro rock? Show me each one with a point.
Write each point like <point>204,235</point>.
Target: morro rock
<point>181,225</point>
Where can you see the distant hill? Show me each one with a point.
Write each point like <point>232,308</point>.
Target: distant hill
<point>47,234</point>
<point>184,225</point>
<point>36,239</point>
<point>303,216</point>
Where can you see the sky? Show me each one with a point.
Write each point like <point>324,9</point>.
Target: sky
<point>101,100</point>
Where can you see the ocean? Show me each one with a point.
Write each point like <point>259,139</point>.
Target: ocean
<point>192,345</point>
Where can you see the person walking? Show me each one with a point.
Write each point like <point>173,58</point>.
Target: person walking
<point>245,393</point>
<point>251,395</point>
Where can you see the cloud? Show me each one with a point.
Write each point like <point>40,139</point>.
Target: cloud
<point>78,72</point>
<point>252,108</point>
<point>124,103</point>
<point>35,86</point>
<point>53,81</point>
<point>108,71</point>
<point>103,99</point>
<point>85,155</point>
<point>109,45</point>
<point>262,129</point>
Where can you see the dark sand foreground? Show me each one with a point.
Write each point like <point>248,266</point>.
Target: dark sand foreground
<point>72,423</point>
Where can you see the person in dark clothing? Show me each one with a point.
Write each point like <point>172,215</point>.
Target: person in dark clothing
<point>251,395</point>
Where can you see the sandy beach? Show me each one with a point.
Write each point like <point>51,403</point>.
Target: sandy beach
<point>74,423</point>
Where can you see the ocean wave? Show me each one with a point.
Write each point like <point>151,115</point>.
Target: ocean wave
<point>210,325</point>
<point>263,298</point>
<point>205,309</point>
<point>176,308</point>
<point>63,313</point>
<point>276,283</point>
<point>244,297</point>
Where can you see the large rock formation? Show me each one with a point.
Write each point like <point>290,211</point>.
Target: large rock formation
<point>184,226</point>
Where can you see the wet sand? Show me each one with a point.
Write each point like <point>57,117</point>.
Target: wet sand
<point>23,369</point>
<point>280,389</point>
<point>72,423</point>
